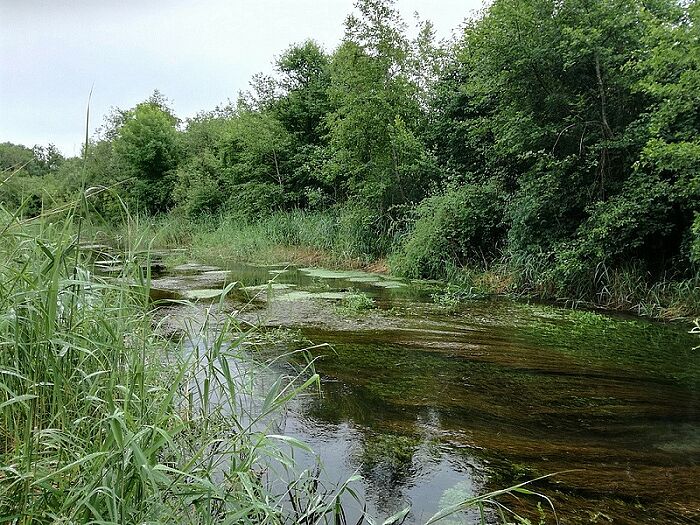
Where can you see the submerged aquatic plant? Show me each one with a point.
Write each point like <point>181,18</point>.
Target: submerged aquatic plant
<point>452,297</point>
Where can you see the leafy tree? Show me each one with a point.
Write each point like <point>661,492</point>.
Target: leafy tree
<point>552,99</point>
<point>28,176</point>
<point>669,65</point>
<point>304,81</point>
<point>238,160</point>
<point>376,112</point>
<point>202,186</point>
<point>146,148</point>
<point>37,161</point>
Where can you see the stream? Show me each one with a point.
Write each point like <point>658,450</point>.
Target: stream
<point>433,404</point>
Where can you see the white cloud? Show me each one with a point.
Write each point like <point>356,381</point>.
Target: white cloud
<point>198,53</point>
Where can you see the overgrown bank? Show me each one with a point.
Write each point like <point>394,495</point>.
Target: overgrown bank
<point>354,238</point>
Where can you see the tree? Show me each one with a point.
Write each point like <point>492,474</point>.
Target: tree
<point>28,176</point>
<point>147,149</point>
<point>303,83</point>
<point>376,111</point>
<point>37,161</point>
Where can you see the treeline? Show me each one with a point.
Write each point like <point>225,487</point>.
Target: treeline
<point>557,138</point>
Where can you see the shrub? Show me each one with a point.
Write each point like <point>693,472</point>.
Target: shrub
<point>546,207</point>
<point>463,225</point>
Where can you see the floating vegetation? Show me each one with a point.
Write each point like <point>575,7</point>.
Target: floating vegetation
<point>202,294</point>
<point>322,273</point>
<point>194,268</point>
<point>357,301</point>
<point>275,287</point>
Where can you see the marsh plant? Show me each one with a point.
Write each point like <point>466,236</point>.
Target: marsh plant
<point>357,301</point>
<point>105,421</point>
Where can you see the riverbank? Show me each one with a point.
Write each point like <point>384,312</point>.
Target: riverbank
<point>108,417</point>
<point>349,242</point>
<point>108,386</point>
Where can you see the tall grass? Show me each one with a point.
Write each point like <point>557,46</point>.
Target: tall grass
<point>627,288</point>
<point>143,232</point>
<point>104,421</point>
<point>348,236</point>
<point>354,237</point>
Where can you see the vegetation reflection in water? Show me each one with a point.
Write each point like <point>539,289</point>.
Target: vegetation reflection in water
<point>428,403</point>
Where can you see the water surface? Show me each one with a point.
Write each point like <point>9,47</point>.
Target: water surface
<point>432,405</point>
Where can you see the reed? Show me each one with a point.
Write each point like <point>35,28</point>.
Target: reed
<point>105,421</point>
<point>341,237</point>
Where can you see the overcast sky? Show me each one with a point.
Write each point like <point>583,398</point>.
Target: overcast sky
<point>198,53</point>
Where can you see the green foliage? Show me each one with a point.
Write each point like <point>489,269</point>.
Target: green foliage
<point>38,161</point>
<point>695,242</point>
<point>376,154</point>
<point>357,301</point>
<point>147,149</point>
<point>14,157</point>
<point>546,207</point>
<point>304,81</point>
<point>549,138</point>
<point>361,232</point>
<point>589,125</point>
<point>464,225</point>
<point>28,177</point>
<point>255,199</point>
<point>199,189</point>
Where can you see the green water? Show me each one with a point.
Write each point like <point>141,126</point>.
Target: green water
<point>431,405</point>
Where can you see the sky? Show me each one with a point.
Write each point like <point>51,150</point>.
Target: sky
<point>199,54</point>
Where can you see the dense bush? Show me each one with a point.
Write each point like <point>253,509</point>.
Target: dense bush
<point>462,226</point>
